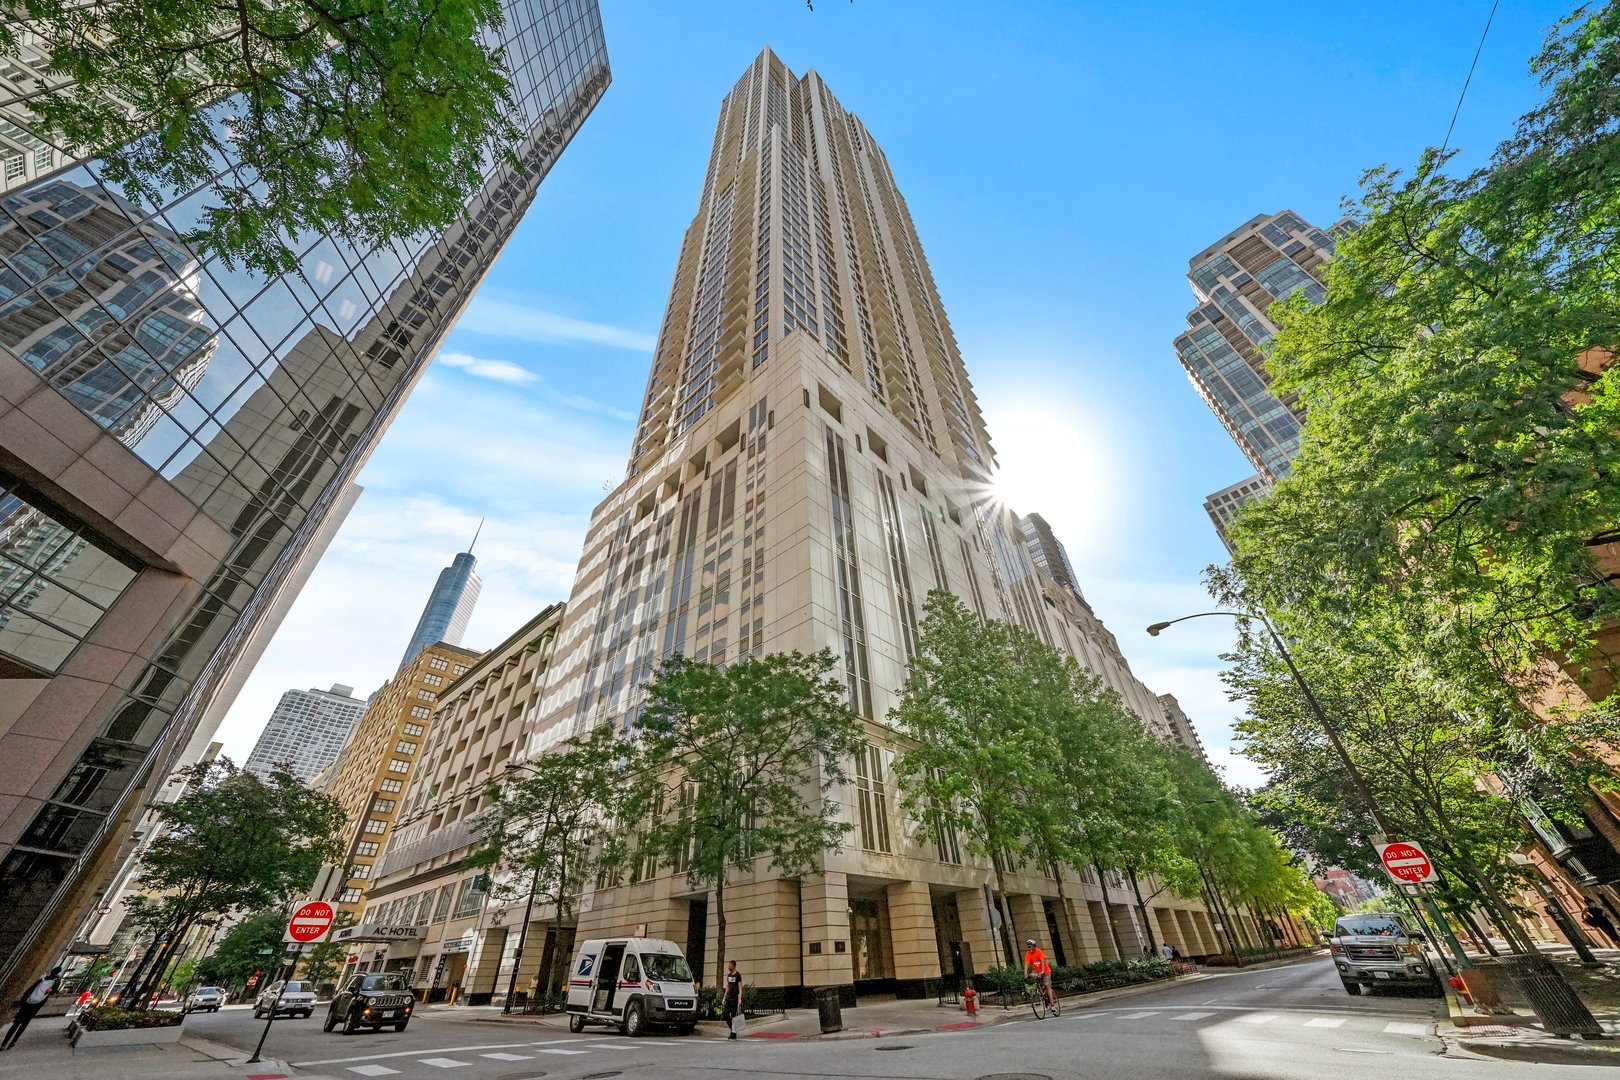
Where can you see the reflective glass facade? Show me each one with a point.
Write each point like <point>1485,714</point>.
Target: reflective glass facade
<point>1235,281</point>
<point>448,608</point>
<point>256,399</point>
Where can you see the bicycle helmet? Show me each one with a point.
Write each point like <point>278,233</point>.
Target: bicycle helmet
<point>1030,943</point>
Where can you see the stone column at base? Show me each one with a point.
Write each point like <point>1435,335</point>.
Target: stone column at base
<point>824,909</point>
<point>984,953</point>
<point>912,937</point>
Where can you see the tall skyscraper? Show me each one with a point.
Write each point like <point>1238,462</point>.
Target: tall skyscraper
<point>306,731</point>
<point>1236,280</point>
<point>809,462</point>
<point>174,434</point>
<point>449,606</point>
<point>1046,551</point>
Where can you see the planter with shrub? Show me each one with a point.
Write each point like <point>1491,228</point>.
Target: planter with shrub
<point>107,1025</point>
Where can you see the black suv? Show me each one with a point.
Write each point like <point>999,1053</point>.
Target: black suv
<point>371,1001</point>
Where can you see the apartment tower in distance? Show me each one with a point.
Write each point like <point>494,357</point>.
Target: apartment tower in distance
<point>306,732</point>
<point>449,606</point>
<point>1235,280</point>
<point>174,434</point>
<point>809,462</point>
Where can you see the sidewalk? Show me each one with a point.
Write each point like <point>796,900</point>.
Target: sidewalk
<point>1518,1037</point>
<point>43,1051</point>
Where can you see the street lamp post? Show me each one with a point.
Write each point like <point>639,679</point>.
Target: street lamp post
<point>1357,781</point>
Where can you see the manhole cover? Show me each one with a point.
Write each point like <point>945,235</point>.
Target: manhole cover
<point>897,1046</point>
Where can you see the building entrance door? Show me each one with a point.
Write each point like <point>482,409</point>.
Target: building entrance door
<point>872,956</point>
<point>948,936</point>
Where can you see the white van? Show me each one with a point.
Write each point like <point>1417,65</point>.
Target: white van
<point>631,982</point>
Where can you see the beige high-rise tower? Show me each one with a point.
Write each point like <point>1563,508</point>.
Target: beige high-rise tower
<point>810,462</point>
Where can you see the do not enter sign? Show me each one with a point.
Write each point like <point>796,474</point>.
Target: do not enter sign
<point>1406,862</point>
<point>310,922</point>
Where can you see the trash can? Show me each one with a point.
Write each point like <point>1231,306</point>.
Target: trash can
<point>829,1009</point>
<point>1550,996</point>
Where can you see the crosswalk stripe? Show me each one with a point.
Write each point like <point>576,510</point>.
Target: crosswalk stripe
<point>508,1057</point>
<point>444,1063</point>
<point>1140,1015</point>
<point>613,1046</point>
<point>372,1070</point>
<point>1257,1018</point>
<point>1407,1029</point>
<point>1191,1016</point>
<point>561,1051</point>
<point>1324,1022</point>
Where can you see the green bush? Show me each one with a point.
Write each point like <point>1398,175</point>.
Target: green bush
<point>112,1018</point>
<point>1007,981</point>
<point>708,1003</point>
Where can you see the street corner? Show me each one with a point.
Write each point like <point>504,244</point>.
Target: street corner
<point>1513,1044</point>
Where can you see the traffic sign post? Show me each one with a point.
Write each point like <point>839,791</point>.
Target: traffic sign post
<point>1407,863</point>
<point>311,921</point>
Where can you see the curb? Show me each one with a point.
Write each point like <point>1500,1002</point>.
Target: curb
<point>1549,1052</point>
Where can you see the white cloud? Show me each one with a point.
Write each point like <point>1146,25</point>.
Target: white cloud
<point>499,370</point>
<point>500,318</point>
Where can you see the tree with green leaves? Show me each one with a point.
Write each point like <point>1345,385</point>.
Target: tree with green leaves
<point>1460,447</point>
<point>253,945</point>
<point>977,758</point>
<point>366,119</point>
<point>545,834</point>
<point>736,764</point>
<point>231,843</point>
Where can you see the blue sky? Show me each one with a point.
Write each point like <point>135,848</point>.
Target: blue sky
<point>1062,161</point>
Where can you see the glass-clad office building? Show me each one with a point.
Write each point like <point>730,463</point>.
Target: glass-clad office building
<point>173,432</point>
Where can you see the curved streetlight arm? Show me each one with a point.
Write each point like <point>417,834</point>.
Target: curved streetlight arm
<point>1354,774</point>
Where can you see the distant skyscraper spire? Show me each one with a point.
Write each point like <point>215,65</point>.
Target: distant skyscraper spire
<point>450,606</point>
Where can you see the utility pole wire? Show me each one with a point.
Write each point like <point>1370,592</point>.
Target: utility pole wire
<point>1458,110</point>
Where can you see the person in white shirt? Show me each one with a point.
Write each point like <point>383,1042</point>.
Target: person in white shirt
<point>32,1000</point>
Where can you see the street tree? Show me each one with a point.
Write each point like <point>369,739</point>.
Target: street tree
<point>366,119</point>
<point>977,757</point>
<point>323,960</point>
<point>736,764</point>
<point>251,946</point>
<point>545,834</point>
<point>232,843</point>
<point>1459,452</point>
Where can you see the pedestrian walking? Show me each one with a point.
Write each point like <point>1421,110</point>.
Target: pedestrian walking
<point>1599,920</point>
<point>731,1000</point>
<point>1167,951</point>
<point>30,1003</point>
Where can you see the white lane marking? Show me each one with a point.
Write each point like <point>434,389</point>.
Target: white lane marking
<point>1140,1015</point>
<point>1257,1018</point>
<point>1190,1016</point>
<point>372,1070</point>
<point>1407,1029</point>
<point>1325,1022</point>
<point>445,1063</point>
<point>509,1057</point>
<point>419,1053</point>
<point>612,1046</point>
<point>1359,1050</point>
<point>565,1051</point>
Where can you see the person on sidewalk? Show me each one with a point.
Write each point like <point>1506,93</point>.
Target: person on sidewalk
<point>1167,951</point>
<point>32,1001</point>
<point>731,998</point>
<point>1598,919</point>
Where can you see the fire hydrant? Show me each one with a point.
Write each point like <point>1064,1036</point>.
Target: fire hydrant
<point>1462,990</point>
<point>970,1001</point>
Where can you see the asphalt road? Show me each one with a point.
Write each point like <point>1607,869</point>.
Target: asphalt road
<point>1289,1023</point>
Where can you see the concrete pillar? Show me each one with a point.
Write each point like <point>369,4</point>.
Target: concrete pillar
<point>1088,949</point>
<point>485,964</point>
<point>1030,917</point>
<point>1099,927</point>
<point>825,907</point>
<point>1208,939</point>
<point>911,931</point>
<point>971,909</point>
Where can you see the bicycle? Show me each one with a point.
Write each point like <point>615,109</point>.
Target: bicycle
<point>1035,992</point>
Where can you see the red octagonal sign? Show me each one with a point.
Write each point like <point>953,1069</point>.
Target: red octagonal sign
<point>1407,862</point>
<point>310,922</point>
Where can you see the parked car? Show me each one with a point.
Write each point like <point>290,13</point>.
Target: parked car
<point>371,1001</point>
<point>1379,948</point>
<point>295,998</point>
<point>633,984</point>
<point>208,998</point>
